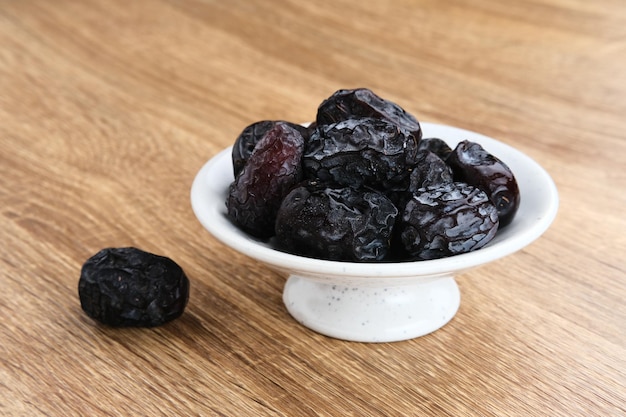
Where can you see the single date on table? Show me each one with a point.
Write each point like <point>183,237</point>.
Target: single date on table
<point>124,287</point>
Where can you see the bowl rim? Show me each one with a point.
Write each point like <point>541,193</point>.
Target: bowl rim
<point>208,195</point>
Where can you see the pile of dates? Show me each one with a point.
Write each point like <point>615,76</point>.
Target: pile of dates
<point>360,184</point>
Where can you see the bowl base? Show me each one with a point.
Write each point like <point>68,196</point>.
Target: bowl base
<point>369,313</point>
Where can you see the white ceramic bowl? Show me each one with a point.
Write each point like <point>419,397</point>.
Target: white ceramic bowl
<point>380,302</point>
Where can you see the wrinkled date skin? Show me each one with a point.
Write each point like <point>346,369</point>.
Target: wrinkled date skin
<point>339,224</point>
<point>474,165</point>
<point>251,135</point>
<point>125,287</point>
<point>448,220</point>
<point>360,152</point>
<point>273,168</point>
<point>437,146</point>
<point>362,102</point>
<point>429,171</point>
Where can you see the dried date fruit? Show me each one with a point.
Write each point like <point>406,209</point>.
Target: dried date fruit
<point>340,224</point>
<point>472,164</point>
<point>129,287</point>
<point>362,102</point>
<point>250,136</point>
<point>360,152</point>
<point>429,171</point>
<point>437,146</point>
<point>273,168</point>
<point>448,220</point>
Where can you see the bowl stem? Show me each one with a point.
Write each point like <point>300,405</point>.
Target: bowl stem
<point>372,313</point>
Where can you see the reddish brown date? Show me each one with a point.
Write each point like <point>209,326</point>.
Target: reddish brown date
<point>246,141</point>
<point>272,169</point>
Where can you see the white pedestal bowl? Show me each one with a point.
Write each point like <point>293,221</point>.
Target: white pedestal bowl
<point>380,302</point>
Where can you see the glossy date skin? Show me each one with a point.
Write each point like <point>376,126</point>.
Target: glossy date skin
<point>362,102</point>
<point>437,146</point>
<point>446,220</point>
<point>472,164</point>
<point>335,223</point>
<point>429,171</point>
<point>360,152</point>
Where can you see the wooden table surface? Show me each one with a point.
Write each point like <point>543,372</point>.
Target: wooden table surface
<point>109,108</point>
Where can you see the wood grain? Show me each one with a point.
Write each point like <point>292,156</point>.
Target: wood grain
<point>109,108</point>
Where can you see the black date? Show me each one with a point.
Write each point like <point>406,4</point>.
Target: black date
<point>362,102</point>
<point>129,287</point>
<point>335,223</point>
<point>360,152</point>
<point>474,165</point>
<point>448,220</point>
